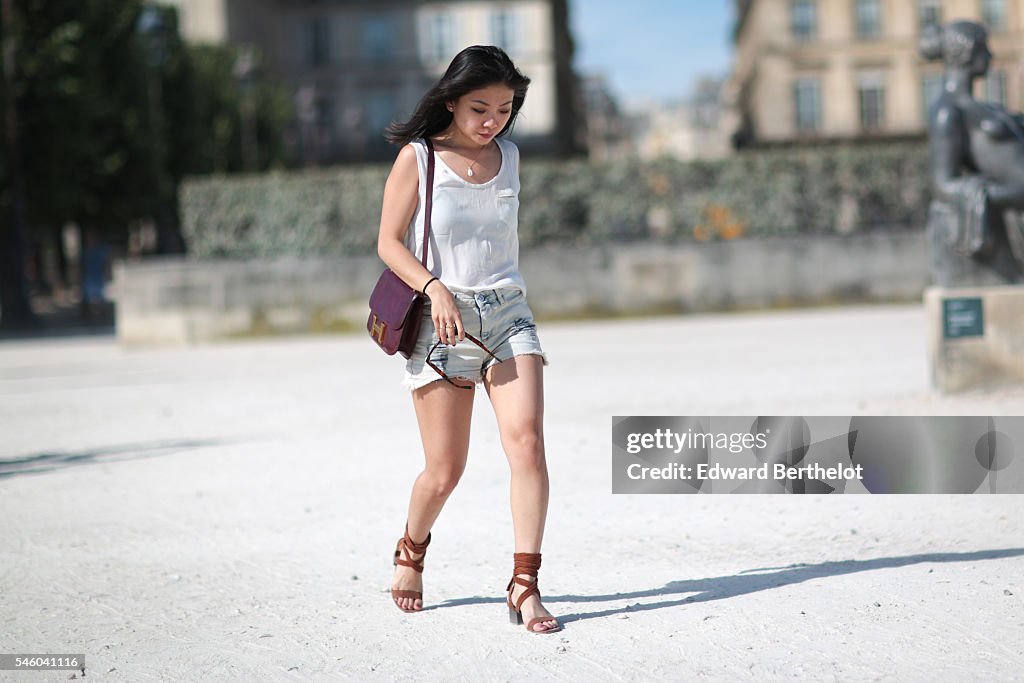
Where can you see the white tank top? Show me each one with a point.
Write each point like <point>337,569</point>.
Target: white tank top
<point>474,228</point>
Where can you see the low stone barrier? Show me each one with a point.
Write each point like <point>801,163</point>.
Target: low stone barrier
<point>182,301</point>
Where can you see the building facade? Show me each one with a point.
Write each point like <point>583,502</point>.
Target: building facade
<point>687,130</point>
<point>356,65</point>
<point>812,70</point>
<point>609,130</point>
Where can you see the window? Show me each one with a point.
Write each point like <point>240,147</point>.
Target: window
<point>931,88</point>
<point>869,18</point>
<point>993,14</point>
<point>503,30</point>
<point>377,36</point>
<point>995,87</point>
<point>872,103</point>
<point>380,110</point>
<point>315,40</point>
<point>440,38</point>
<point>808,105</point>
<point>804,20</point>
<point>929,13</point>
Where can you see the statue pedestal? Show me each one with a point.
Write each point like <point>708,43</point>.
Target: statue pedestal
<point>976,336</point>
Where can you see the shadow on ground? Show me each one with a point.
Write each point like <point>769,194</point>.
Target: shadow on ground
<point>746,582</point>
<point>40,463</point>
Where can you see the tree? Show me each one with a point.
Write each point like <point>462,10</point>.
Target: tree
<point>117,120</point>
<point>218,101</point>
<point>79,153</point>
<point>14,306</point>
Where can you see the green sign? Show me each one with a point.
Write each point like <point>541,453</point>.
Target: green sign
<point>962,318</point>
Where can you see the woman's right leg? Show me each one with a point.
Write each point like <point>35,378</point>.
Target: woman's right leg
<point>444,413</point>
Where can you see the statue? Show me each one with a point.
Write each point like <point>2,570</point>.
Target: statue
<point>976,219</point>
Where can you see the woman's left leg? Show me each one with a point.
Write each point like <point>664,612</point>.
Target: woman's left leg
<point>516,390</point>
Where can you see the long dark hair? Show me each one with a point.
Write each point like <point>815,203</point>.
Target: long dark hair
<point>474,68</point>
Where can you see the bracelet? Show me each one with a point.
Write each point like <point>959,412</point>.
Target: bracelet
<point>423,290</point>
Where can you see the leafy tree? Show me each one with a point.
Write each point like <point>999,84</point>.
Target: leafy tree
<point>218,105</point>
<point>74,112</point>
<point>108,119</point>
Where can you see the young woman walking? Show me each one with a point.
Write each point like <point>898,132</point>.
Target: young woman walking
<point>480,328</point>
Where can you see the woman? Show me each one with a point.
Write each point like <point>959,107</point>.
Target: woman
<point>474,287</point>
<point>977,152</point>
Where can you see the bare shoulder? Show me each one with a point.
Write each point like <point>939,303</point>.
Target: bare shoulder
<point>406,158</point>
<point>405,169</point>
<point>400,195</point>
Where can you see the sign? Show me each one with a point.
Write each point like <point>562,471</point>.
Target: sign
<point>962,318</point>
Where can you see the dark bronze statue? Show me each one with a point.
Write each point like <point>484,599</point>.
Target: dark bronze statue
<point>976,219</point>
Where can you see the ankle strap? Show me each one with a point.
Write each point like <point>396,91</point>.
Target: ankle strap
<point>413,545</point>
<point>526,563</point>
<point>407,547</point>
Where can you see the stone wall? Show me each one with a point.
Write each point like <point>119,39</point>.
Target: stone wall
<point>181,301</point>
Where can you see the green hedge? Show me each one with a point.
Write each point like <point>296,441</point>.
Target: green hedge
<point>775,192</point>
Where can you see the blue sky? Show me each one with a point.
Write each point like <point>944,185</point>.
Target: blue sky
<point>652,49</point>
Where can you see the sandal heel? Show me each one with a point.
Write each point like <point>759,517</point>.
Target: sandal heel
<point>515,618</point>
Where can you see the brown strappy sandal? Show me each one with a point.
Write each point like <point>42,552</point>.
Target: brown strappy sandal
<point>403,556</point>
<point>528,564</point>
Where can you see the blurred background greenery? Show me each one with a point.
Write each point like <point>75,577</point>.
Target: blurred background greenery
<point>764,193</point>
<point>105,110</point>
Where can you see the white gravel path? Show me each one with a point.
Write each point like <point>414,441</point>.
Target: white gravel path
<point>228,513</point>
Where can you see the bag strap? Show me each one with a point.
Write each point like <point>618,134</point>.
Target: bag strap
<point>429,201</point>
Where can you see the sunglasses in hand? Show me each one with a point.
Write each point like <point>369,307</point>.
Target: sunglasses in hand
<point>439,371</point>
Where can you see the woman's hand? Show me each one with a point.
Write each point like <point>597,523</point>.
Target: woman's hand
<point>445,314</point>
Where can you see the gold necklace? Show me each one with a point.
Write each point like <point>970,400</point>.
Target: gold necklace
<point>469,169</point>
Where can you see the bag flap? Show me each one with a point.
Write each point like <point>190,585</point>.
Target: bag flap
<point>391,300</point>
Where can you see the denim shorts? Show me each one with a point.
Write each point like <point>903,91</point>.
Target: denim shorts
<point>500,318</point>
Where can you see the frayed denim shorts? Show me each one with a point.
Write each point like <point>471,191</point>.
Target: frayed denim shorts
<point>500,318</point>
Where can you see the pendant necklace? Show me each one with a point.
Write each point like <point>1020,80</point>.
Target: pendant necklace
<point>469,169</point>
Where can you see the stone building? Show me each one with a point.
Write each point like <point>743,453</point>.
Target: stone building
<point>355,65</point>
<point>811,70</point>
<point>695,128</point>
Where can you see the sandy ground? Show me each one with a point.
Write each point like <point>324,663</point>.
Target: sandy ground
<point>229,513</point>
